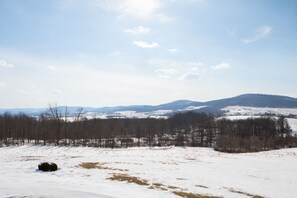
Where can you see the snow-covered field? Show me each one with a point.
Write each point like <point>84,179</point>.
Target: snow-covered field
<point>243,110</point>
<point>163,170</point>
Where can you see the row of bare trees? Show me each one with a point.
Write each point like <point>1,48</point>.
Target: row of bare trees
<point>58,127</point>
<point>254,134</point>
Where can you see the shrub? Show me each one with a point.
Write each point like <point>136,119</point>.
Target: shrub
<point>47,166</point>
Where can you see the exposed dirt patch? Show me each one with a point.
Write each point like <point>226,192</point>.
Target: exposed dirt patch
<point>98,165</point>
<point>129,179</point>
<point>192,195</point>
<point>244,193</point>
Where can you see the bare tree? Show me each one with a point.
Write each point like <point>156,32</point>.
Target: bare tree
<point>284,128</point>
<point>55,113</point>
<point>66,114</point>
<point>78,114</point>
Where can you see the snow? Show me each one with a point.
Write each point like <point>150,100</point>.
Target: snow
<point>196,170</point>
<point>293,124</point>
<point>243,110</point>
<point>190,108</point>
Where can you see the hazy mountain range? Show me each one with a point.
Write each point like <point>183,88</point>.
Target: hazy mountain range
<point>213,106</point>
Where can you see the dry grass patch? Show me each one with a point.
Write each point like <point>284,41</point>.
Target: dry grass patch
<point>30,158</point>
<point>126,163</point>
<point>173,187</point>
<point>201,186</point>
<point>75,156</point>
<point>129,179</point>
<point>192,195</point>
<point>170,163</point>
<point>159,186</point>
<point>91,165</point>
<point>98,165</point>
<point>190,158</point>
<point>244,193</point>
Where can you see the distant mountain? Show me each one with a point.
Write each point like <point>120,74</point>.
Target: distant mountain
<point>214,106</point>
<point>255,100</point>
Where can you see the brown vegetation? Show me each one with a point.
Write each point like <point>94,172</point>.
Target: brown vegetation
<point>193,195</point>
<point>244,193</point>
<point>98,165</point>
<point>129,179</point>
<point>201,186</point>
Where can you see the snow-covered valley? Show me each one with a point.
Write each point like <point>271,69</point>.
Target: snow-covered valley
<point>162,172</point>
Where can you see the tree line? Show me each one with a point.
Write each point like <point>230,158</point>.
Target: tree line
<point>54,127</point>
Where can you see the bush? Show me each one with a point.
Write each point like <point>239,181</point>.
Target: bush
<point>47,166</point>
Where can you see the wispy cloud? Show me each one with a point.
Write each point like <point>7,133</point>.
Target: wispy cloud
<point>260,33</point>
<point>2,84</point>
<point>137,30</point>
<point>52,67</point>
<point>3,63</point>
<point>190,76</point>
<point>173,50</point>
<point>144,44</point>
<point>146,9</point>
<point>163,18</point>
<point>57,92</point>
<point>166,72</point>
<point>221,66</point>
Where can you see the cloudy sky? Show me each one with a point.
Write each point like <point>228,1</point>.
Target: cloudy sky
<point>121,52</point>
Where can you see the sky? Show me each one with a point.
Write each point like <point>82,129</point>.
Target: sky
<point>96,53</point>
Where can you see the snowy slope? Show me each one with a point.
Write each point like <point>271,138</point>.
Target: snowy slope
<point>195,170</point>
<point>244,110</point>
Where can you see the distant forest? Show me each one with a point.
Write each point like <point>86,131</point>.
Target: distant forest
<point>183,129</point>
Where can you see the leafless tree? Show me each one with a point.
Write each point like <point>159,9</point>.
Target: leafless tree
<point>55,113</point>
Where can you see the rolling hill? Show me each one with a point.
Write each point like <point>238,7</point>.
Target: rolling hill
<point>214,106</point>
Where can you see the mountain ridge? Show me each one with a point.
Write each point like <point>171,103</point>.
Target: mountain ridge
<point>212,106</point>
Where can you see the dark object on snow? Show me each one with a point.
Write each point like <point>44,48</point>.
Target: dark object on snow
<point>46,166</point>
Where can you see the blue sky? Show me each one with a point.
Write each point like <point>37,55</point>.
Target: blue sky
<point>122,52</point>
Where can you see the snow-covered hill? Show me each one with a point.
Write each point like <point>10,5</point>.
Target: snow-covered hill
<point>152,172</point>
<point>247,103</point>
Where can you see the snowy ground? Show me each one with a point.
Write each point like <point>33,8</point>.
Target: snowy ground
<point>196,170</point>
<point>243,110</point>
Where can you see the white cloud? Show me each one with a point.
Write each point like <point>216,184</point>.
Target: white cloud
<point>195,63</point>
<point>221,66</point>
<point>190,76</point>
<point>173,50</point>
<point>57,92</point>
<point>2,84</point>
<point>163,18</point>
<point>33,91</point>
<point>260,33</point>
<point>166,72</point>
<point>146,9</point>
<point>137,30</point>
<point>3,63</point>
<point>52,67</point>
<point>144,44</point>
